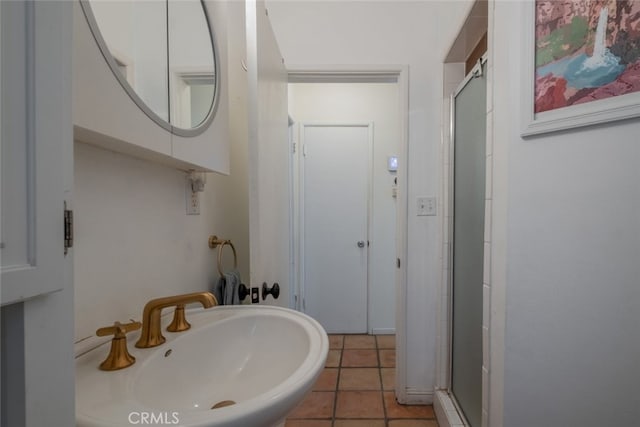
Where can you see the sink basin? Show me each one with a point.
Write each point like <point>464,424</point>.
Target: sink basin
<point>252,365</point>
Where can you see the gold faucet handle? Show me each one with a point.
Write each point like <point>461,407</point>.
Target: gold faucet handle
<point>119,330</point>
<point>179,322</point>
<point>119,356</point>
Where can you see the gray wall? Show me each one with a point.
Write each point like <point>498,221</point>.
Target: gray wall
<point>572,264</point>
<point>573,295</point>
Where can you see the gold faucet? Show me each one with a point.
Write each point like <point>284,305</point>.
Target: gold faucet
<point>119,356</point>
<point>151,334</point>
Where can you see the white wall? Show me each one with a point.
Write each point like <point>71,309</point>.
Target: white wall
<point>233,189</point>
<point>417,34</point>
<point>134,241</point>
<point>375,103</point>
<point>566,220</point>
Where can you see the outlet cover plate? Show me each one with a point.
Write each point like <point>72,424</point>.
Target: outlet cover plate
<point>193,200</point>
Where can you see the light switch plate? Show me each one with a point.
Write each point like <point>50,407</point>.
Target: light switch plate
<point>427,206</point>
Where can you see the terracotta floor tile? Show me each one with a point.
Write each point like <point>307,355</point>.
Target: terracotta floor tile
<point>333,359</point>
<point>358,423</point>
<point>413,423</point>
<point>359,366</point>
<point>359,341</point>
<point>318,404</point>
<point>355,358</point>
<point>395,410</point>
<point>336,341</point>
<point>386,341</point>
<point>387,358</point>
<point>359,404</point>
<point>359,379</point>
<point>308,423</point>
<point>388,378</point>
<point>327,381</point>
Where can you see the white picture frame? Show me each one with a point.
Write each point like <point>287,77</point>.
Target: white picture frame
<point>607,110</point>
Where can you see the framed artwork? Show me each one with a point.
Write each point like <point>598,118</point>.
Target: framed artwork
<point>582,63</point>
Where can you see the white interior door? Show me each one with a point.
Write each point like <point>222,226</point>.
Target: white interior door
<point>268,156</point>
<point>36,173</point>
<point>335,210</point>
<point>36,149</point>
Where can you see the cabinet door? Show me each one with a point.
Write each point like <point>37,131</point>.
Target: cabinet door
<point>36,145</point>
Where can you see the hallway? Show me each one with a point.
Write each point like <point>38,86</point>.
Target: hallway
<point>356,388</point>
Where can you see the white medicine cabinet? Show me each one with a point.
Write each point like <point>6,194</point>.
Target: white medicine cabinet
<point>152,83</point>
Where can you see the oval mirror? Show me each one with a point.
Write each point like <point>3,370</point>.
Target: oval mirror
<point>163,53</point>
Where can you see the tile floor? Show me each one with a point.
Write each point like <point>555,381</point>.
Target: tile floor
<point>356,388</point>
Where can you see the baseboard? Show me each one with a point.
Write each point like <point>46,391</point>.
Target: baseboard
<point>416,397</point>
<point>383,331</point>
<point>445,410</point>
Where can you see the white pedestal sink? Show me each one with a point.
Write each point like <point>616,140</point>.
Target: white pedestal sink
<point>263,359</point>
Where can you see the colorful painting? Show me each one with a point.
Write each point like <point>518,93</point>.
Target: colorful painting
<point>586,50</point>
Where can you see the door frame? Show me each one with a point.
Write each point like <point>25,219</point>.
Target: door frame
<point>300,284</point>
<point>398,74</point>
<point>450,229</point>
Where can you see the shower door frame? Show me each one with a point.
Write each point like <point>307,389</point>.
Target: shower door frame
<point>450,230</point>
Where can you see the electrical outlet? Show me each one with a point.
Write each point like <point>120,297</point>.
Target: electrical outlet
<point>426,206</point>
<point>255,295</point>
<point>193,200</point>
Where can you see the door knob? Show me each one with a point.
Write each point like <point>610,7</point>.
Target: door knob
<point>361,244</point>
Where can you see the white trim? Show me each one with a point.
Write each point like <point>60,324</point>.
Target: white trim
<point>419,397</point>
<point>591,113</point>
<point>180,94</point>
<point>446,412</point>
<point>383,331</point>
<point>294,283</point>
<point>345,73</point>
<point>370,179</point>
<point>126,62</point>
<point>449,231</point>
<point>402,225</point>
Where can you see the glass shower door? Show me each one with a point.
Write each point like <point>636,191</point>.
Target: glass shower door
<point>469,116</point>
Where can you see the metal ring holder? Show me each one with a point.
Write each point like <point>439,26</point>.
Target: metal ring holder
<point>214,242</point>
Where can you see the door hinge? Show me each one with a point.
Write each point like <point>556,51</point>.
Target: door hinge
<point>68,228</point>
